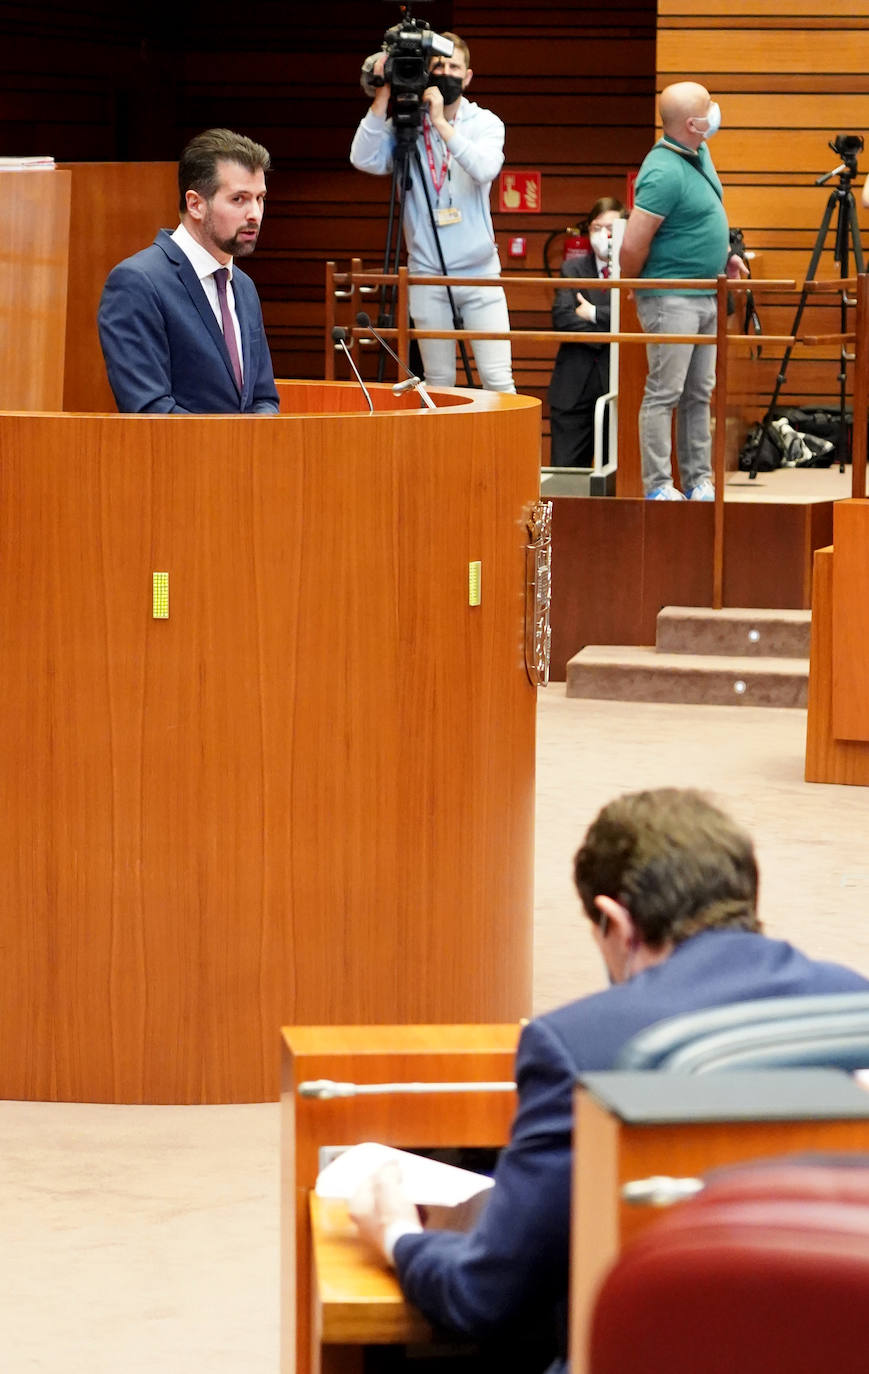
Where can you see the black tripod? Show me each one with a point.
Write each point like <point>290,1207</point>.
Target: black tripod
<point>847,240</point>
<point>406,144</point>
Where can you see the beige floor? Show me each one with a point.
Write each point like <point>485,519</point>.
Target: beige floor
<point>145,1239</point>
<point>798,486</point>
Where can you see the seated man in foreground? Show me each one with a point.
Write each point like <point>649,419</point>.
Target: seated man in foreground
<point>669,884</point>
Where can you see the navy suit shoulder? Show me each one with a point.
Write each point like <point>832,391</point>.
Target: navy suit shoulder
<point>163,348</point>
<point>717,968</point>
<point>513,1266</point>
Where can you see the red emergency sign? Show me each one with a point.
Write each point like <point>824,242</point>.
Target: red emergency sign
<point>519,193</point>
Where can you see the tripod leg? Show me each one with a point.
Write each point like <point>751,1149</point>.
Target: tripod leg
<point>847,241</point>
<point>804,295</point>
<point>842,240</point>
<point>857,248</point>
<point>801,305</point>
<point>855,234</point>
<point>392,252</point>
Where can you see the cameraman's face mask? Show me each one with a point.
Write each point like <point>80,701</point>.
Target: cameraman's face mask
<point>450,87</point>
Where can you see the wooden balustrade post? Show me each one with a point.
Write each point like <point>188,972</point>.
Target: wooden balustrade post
<point>355,273</point>
<point>718,448</point>
<point>861,385</point>
<point>403,341</point>
<point>329,358</point>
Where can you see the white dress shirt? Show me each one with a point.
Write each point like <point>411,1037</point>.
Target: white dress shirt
<point>205,266</point>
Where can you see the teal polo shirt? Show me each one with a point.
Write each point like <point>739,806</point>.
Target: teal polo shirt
<point>694,239</point>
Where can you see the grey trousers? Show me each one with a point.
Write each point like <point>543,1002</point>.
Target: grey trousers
<point>482,307</point>
<point>681,378</point>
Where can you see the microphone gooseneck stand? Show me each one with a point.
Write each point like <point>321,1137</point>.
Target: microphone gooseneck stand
<point>411,382</point>
<point>339,338</point>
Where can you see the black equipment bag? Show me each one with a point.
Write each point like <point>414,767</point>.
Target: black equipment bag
<point>768,457</point>
<point>823,422</point>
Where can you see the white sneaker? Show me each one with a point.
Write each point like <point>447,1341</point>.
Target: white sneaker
<point>704,491</point>
<point>667,493</point>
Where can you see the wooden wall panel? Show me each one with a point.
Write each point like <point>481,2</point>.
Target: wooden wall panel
<point>788,80</point>
<point>34,231</point>
<point>88,81</point>
<point>117,209</point>
<point>575,87</point>
<point>796,47</point>
<point>616,563</point>
<point>592,538</point>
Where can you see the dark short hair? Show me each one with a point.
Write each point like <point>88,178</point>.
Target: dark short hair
<point>198,165</point>
<point>676,862</point>
<point>604,205</point>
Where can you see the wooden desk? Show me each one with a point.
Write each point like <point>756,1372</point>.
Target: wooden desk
<point>826,1111</point>
<point>333,1291</point>
<point>356,1300</point>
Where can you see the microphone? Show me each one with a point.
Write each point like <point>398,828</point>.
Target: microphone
<point>412,383</point>
<point>339,337</point>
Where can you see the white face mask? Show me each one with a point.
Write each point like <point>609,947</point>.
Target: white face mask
<point>600,242</point>
<point>713,120</point>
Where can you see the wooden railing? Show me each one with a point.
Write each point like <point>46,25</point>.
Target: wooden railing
<point>361,286</point>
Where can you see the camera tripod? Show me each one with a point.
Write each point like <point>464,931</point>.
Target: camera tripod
<point>847,240</point>
<point>405,145</point>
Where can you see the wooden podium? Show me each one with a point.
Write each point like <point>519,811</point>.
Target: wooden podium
<point>837,732</point>
<point>307,794</point>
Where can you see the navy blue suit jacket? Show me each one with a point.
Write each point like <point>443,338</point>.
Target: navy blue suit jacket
<point>511,1270</point>
<point>164,350</point>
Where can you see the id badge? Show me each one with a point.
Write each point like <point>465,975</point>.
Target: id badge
<point>448,214</point>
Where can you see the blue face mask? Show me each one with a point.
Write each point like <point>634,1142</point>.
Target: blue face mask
<point>713,120</point>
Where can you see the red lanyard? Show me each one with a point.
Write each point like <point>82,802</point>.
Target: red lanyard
<point>437,178</point>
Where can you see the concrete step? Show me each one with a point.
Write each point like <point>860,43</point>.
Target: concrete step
<point>616,673</point>
<point>746,633</point>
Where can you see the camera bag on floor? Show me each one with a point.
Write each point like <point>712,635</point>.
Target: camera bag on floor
<point>766,459</point>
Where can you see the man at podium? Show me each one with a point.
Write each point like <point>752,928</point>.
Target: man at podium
<point>180,325</point>
<point>669,884</point>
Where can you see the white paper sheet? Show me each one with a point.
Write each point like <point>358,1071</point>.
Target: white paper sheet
<point>428,1182</point>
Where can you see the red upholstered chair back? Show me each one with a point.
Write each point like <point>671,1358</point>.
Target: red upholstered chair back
<point>766,1272</point>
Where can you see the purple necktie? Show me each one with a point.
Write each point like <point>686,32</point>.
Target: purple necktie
<point>221,276</point>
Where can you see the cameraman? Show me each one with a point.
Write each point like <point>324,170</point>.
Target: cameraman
<point>460,148</point>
